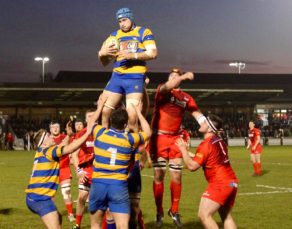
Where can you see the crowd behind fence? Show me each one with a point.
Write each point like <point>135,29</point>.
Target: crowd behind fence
<point>235,126</point>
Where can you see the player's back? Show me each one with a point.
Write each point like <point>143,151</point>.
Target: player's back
<point>113,151</point>
<point>44,179</point>
<point>217,166</point>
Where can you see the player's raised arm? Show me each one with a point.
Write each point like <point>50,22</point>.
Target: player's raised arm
<point>100,103</point>
<point>143,122</point>
<point>78,142</point>
<point>174,80</point>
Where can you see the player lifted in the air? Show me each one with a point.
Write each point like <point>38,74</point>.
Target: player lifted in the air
<point>130,47</point>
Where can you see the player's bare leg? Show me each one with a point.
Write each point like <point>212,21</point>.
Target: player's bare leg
<point>175,169</point>
<point>135,209</point>
<point>122,220</point>
<point>96,219</point>
<point>207,209</point>
<point>113,99</point>
<point>51,220</point>
<point>227,220</point>
<point>135,99</point>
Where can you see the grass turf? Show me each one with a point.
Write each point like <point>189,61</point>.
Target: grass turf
<point>262,202</point>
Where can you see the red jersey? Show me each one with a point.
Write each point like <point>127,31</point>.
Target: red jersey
<point>64,160</point>
<point>9,137</point>
<point>58,139</point>
<point>253,134</point>
<point>169,109</point>
<point>212,155</point>
<point>86,153</point>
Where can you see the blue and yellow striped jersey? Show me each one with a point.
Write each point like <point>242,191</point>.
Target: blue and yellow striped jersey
<point>133,41</point>
<point>113,150</point>
<point>44,179</point>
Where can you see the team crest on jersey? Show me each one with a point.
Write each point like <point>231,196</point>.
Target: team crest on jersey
<point>130,46</point>
<point>178,102</point>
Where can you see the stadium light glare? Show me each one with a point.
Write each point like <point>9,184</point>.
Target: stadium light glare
<point>43,60</point>
<point>239,65</point>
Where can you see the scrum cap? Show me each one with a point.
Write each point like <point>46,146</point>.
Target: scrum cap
<point>125,13</point>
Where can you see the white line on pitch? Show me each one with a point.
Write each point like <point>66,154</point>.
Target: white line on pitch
<point>273,187</point>
<point>262,193</point>
<point>144,175</point>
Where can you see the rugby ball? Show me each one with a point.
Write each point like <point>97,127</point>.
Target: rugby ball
<point>112,41</point>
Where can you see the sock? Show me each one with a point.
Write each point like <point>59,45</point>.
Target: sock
<point>110,224</point>
<point>78,219</point>
<point>259,165</point>
<point>158,190</point>
<point>175,189</point>
<point>255,167</point>
<point>69,208</point>
<point>104,224</point>
<point>141,221</point>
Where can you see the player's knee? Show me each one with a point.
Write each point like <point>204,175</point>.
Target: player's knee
<point>159,170</point>
<point>66,192</point>
<point>202,216</point>
<point>175,171</point>
<point>135,205</point>
<point>83,193</point>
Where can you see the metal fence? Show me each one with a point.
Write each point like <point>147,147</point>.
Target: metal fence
<point>243,141</point>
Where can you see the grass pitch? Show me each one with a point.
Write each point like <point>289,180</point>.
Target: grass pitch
<point>262,202</point>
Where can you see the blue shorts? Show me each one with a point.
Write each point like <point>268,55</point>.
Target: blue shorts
<point>112,196</point>
<point>125,84</point>
<point>41,207</point>
<point>134,180</point>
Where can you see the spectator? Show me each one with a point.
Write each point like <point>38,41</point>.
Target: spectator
<point>9,141</point>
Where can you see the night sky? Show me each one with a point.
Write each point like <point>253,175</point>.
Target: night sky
<point>196,35</point>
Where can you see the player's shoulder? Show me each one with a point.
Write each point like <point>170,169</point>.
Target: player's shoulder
<point>143,30</point>
<point>257,130</point>
<point>115,33</point>
<point>63,136</point>
<point>82,132</point>
<point>216,140</point>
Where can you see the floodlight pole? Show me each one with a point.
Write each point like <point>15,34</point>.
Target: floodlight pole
<point>44,60</point>
<point>239,65</point>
